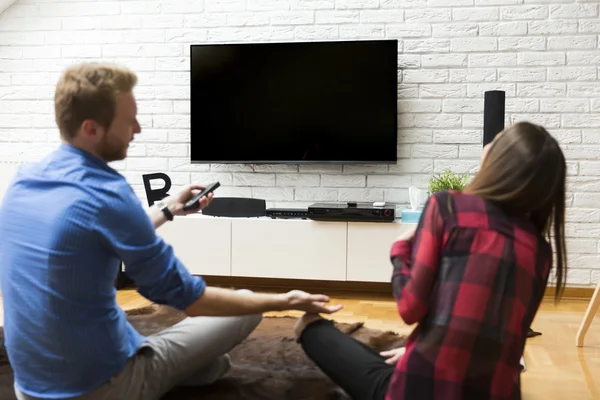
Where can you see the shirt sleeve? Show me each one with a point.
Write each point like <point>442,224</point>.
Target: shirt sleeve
<point>416,265</point>
<point>125,228</point>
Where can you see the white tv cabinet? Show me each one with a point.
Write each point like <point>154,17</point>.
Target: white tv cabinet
<point>284,248</point>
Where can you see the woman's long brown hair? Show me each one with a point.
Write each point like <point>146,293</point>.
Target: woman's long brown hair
<point>524,172</point>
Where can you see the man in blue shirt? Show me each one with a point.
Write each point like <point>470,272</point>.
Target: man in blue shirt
<point>66,223</point>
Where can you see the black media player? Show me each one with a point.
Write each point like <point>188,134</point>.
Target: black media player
<point>352,212</point>
<point>287,213</point>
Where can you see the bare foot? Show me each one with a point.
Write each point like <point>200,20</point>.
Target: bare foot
<point>303,322</point>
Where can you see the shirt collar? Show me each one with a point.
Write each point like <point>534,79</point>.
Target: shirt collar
<point>68,148</point>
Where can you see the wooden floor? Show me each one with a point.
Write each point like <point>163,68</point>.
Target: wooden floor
<point>556,368</point>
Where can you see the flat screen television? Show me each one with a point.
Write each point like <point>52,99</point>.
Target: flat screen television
<point>295,103</point>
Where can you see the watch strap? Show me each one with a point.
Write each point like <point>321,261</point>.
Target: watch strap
<point>165,210</point>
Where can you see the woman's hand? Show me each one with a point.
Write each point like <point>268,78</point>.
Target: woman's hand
<point>408,235</point>
<point>392,356</point>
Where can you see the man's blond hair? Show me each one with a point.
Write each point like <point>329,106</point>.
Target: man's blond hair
<point>89,91</point>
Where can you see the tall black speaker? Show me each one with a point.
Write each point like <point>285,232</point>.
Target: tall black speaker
<point>493,114</point>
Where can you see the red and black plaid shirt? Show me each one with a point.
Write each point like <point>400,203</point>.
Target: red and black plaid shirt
<point>473,280</point>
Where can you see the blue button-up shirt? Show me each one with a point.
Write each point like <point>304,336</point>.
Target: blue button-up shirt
<point>66,223</point>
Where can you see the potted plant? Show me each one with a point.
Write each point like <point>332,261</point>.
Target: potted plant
<point>447,180</point>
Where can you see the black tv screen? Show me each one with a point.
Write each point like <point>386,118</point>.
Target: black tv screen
<point>298,102</point>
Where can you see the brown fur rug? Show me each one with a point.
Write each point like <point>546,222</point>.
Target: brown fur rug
<point>269,364</point>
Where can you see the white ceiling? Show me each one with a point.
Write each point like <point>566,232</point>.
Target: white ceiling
<point>4,4</point>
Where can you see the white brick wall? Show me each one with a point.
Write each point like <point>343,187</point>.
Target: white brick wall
<point>543,53</point>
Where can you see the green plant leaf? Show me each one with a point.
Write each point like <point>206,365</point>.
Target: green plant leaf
<point>447,180</point>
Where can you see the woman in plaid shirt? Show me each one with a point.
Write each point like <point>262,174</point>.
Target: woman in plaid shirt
<point>471,276</point>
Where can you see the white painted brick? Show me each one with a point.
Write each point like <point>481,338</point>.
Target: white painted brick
<point>204,178</point>
<point>142,8</point>
<point>458,136</point>
<point>316,32</point>
<point>429,15</point>
<point>473,75</point>
<point>524,12</point>
<point>275,194</point>
<point>449,3</point>
<point>444,60</point>
<point>343,180</point>
<point>546,120</point>
<point>388,181</point>
<point>410,166</point>
<point>426,75</point>
<point>584,58</point>
<point>362,32</point>
<point>360,195</point>
<point>567,136</point>
<point>583,184</point>
<point>434,151</point>
<point>591,136</point>
<point>470,151</point>
<point>373,16</point>
<point>478,90</point>
<point>457,166</point>
<point>575,121</point>
<point>310,4</point>
<point>492,60</point>
<point>580,245</point>
<point>253,179</point>
<point>590,200</point>
<point>426,45</point>
<point>565,105</point>
<point>455,30</point>
<point>275,168</point>
<point>292,18</point>
<point>521,74</point>
<point>406,91</point>
<point>474,44</point>
<point>408,30</point>
<point>572,74</point>
<point>567,11</point>
<point>419,106</point>
<point>340,17</point>
<point>587,152</point>
<point>316,195</point>
<point>443,91</point>
<point>572,42</point>
<point>555,27</point>
<point>521,43</point>
<point>365,169</point>
<point>589,26</point>
<point>541,90</point>
<point>590,90</point>
<point>183,164</point>
<point>167,150</point>
<point>234,19</point>
<point>476,14</point>
<point>514,105</point>
<point>437,120</point>
<point>154,164</point>
<point>231,168</point>
<point>356,4</point>
<point>298,180</point>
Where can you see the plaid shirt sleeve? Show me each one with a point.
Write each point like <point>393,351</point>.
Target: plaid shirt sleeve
<point>414,272</point>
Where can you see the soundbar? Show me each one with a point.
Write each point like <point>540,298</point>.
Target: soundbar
<point>351,212</point>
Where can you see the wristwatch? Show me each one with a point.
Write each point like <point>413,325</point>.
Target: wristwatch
<point>165,209</point>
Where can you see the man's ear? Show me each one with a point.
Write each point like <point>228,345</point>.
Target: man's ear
<point>91,130</point>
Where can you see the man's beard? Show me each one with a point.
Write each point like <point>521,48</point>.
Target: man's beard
<point>112,150</point>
